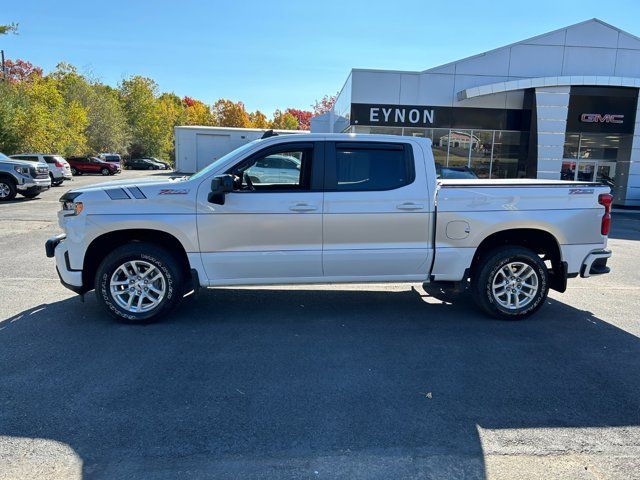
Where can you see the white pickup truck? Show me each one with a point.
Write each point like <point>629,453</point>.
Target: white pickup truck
<point>361,208</point>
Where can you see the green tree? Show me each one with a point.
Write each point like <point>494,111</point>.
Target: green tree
<point>10,100</point>
<point>46,123</point>
<point>283,121</point>
<point>196,113</point>
<point>11,28</point>
<point>227,113</point>
<point>139,98</point>
<point>107,129</point>
<point>258,119</point>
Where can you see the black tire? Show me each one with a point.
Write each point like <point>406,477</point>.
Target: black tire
<point>105,172</point>
<point>30,194</point>
<point>146,252</point>
<point>54,182</point>
<point>75,171</point>
<point>488,269</point>
<point>7,189</point>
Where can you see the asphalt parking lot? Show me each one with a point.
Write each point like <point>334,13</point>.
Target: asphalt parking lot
<point>364,381</point>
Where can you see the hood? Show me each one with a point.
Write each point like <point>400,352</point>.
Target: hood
<point>24,163</point>
<point>137,196</point>
<point>150,184</point>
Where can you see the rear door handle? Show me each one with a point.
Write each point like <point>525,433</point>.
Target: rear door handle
<point>302,207</point>
<point>410,206</point>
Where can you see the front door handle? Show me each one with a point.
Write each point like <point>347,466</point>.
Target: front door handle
<point>302,207</point>
<point>410,206</point>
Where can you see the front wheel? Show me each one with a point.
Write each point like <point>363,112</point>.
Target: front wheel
<point>510,283</point>
<point>7,189</point>
<point>139,282</point>
<point>105,172</point>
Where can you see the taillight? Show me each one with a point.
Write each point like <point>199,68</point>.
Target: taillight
<point>59,165</point>
<point>605,199</point>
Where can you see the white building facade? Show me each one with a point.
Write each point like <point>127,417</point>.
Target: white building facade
<point>562,105</point>
<point>198,146</point>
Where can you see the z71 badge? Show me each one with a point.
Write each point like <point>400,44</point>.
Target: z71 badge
<point>173,191</point>
<point>580,191</point>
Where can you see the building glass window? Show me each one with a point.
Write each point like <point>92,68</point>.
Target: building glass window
<point>481,152</point>
<point>506,151</point>
<point>440,145</point>
<point>386,130</point>
<point>571,145</point>
<point>460,143</point>
<point>416,132</point>
<point>487,153</point>
<point>599,146</point>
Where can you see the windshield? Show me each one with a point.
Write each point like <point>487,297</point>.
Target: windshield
<point>223,159</point>
<point>3,156</point>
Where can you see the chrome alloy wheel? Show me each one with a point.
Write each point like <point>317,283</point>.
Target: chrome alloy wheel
<point>138,286</point>
<point>515,285</point>
<point>4,190</point>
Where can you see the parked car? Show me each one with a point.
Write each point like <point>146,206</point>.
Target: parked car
<point>456,173</point>
<point>113,158</point>
<point>59,168</point>
<point>142,164</point>
<point>167,165</point>
<point>275,169</point>
<point>27,178</point>
<point>81,165</point>
<point>363,209</point>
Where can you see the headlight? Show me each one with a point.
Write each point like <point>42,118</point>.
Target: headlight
<point>70,205</point>
<point>74,208</point>
<point>21,170</point>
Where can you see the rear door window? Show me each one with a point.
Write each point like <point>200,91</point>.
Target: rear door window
<point>369,166</point>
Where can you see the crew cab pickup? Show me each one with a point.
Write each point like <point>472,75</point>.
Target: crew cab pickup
<point>362,208</point>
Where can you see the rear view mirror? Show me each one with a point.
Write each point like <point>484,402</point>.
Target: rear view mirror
<point>220,186</point>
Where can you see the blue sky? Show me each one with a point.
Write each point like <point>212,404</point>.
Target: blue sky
<point>278,54</point>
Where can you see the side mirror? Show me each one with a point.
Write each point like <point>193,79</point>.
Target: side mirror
<point>220,186</point>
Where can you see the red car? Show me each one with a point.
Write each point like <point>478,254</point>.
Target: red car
<point>80,165</point>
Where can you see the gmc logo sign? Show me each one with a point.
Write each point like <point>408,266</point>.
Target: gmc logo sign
<point>599,118</point>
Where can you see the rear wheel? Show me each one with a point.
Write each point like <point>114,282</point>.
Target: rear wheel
<point>139,282</point>
<point>510,283</point>
<point>75,171</point>
<point>7,189</point>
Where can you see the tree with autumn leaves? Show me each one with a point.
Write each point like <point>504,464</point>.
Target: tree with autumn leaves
<point>67,113</point>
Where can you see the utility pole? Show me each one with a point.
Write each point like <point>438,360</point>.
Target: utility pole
<point>3,71</point>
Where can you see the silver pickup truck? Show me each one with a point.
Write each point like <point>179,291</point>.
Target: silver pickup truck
<point>28,179</point>
<point>361,208</point>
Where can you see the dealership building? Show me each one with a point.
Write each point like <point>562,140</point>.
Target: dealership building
<point>562,105</point>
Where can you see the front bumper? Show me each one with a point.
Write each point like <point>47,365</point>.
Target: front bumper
<point>72,279</point>
<point>595,263</point>
<point>33,184</point>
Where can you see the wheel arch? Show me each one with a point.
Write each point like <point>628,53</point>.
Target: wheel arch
<point>116,238</point>
<point>7,176</point>
<point>541,241</point>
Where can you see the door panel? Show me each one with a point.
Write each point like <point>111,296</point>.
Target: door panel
<point>272,235</point>
<point>376,233</point>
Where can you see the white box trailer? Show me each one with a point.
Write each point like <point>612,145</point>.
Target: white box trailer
<point>197,146</point>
